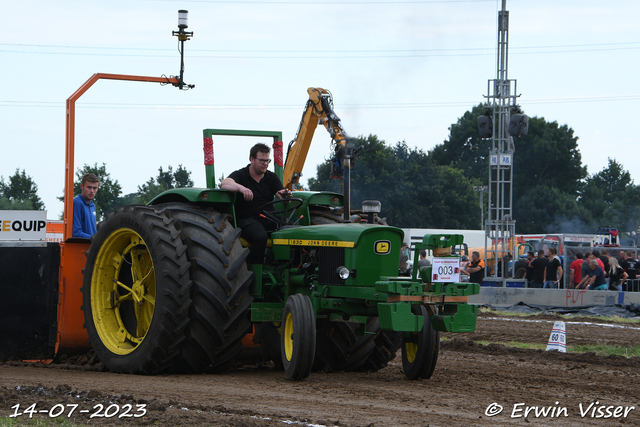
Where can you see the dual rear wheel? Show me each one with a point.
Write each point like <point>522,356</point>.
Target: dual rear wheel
<point>166,289</point>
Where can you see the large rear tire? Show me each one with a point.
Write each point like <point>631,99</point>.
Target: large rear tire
<point>219,315</point>
<point>298,339</point>
<point>267,335</point>
<point>387,344</point>
<point>136,291</point>
<point>420,350</point>
<point>166,288</point>
<point>342,348</point>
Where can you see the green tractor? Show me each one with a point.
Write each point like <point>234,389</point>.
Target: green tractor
<point>167,288</point>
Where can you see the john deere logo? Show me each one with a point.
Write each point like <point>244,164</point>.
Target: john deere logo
<point>382,247</point>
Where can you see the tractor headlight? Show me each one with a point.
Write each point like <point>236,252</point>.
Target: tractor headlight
<point>343,272</point>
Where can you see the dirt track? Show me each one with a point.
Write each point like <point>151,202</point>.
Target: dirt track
<point>469,377</point>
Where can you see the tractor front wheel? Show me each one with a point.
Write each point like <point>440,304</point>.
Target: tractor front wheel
<point>298,342</point>
<point>420,350</point>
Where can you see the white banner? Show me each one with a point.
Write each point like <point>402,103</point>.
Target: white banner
<point>445,270</point>
<point>23,225</point>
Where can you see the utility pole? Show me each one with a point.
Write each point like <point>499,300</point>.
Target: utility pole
<point>481,189</point>
<point>501,99</point>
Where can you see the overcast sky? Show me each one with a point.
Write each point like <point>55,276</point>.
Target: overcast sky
<point>402,70</point>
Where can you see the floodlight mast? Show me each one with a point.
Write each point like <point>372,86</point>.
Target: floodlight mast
<point>182,37</point>
<point>71,117</point>
<point>501,98</point>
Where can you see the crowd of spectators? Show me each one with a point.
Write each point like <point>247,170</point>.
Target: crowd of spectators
<point>598,270</point>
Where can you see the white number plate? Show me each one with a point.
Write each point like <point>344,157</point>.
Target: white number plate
<point>445,270</point>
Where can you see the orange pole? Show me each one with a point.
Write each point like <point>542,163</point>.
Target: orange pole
<point>71,129</point>
<point>71,334</point>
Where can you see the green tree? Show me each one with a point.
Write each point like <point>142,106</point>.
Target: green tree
<point>20,192</point>
<point>544,209</point>
<point>182,177</point>
<point>107,196</point>
<point>414,191</point>
<point>8,205</point>
<point>165,180</point>
<point>548,158</point>
<point>464,149</point>
<point>548,155</point>
<point>612,198</point>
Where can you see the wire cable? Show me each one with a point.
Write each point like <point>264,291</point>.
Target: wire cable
<point>400,105</point>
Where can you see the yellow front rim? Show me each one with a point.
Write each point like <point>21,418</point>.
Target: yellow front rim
<point>123,291</point>
<point>411,350</point>
<point>288,337</point>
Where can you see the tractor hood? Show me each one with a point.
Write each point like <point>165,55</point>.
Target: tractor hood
<point>371,251</point>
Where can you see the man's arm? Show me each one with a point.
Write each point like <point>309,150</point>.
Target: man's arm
<point>571,276</point>
<point>583,282</point>
<point>77,222</point>
<point>559,274</point>
<point>475,269</point>
<point>544,278</point>
<point>230,185</point>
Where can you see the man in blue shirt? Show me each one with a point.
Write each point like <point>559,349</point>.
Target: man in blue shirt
<point>84,211</point>
<point>596,280</point>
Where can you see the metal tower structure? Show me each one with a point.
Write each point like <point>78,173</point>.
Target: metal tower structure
<point>501,99</point>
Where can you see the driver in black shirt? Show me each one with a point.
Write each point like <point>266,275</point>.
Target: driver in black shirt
<point>257,186</point>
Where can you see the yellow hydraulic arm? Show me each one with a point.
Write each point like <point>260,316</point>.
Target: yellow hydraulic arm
<point>319,109</point>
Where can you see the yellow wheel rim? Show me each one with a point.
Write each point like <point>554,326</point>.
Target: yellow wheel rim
<point>411,349</point>
<point>123,291</point>
<point>288,337</point>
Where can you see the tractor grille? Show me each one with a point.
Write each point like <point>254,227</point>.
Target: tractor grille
<point>330,259</point>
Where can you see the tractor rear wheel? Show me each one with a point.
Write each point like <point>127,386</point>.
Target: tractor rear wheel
<point>219,314</point>
<point>267,335</point>
<point>387,344</point>
<point>166,288</point>
<point>298,339</point>
<point>420,350</point>
<point>136,291</point>
<point>342,347</point>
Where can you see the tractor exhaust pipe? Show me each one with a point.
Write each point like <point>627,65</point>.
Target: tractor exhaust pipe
<point>346,167</point>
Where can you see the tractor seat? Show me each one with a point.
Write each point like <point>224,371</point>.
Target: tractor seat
<point>246,244</point>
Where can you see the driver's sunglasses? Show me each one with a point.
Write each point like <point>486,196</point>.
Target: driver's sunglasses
<point>264,161</point>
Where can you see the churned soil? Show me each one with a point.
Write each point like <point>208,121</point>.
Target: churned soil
<point>471,382</point>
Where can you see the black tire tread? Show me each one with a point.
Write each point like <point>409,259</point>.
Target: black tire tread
<point>219,313</point>
<point>304,337</point>
<point>166,333</point>
<point>386,348</point>
<point>342,348</point>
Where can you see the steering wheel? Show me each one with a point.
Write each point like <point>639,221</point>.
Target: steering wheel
<point>280,217</point>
